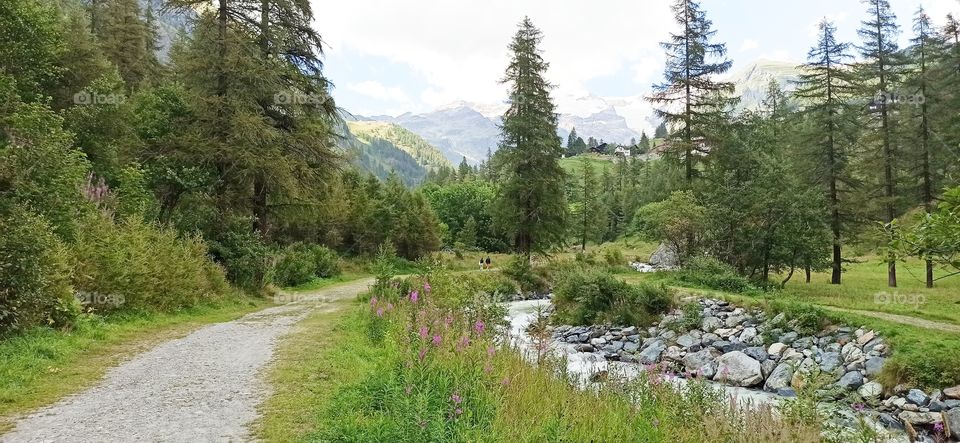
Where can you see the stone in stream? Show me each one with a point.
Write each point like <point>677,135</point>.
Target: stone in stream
<point>917,397</point>
<point>710,324</point>
<point>738,369</point>
<point>749,335</point>
<point>702,362</point>
<point>851,380</point>
<point>920,418</point>
<point>631,347</point>
<point>651,354</point>
<point>686,341</point>
<point>789,337</point>
<point>779,378</point>
<point>709,339</point>
<point>585,348</point>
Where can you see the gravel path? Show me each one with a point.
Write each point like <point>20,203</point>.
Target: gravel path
<point>203,387</point>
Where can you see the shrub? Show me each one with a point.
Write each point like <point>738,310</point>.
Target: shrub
<point>295,266</point>
<point>135,266</point>
<point>712,273</point>
<point>690,318</point>
<point>587,296</point>
<point>34,274</point>
<point>521,271</point>
<point>613,257</point>
<point>325,260</point>
<point>243,254</point>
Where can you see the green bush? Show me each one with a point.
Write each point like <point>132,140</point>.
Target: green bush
<point>242,254</point>
<point>587,296</point>
<point>614,257</point>
<point>326,262</point>
<point>34,274</point>
<point>135,266</point>
<point>294,267</point>
<point>522,272</point>
<point>690,318</point>
<point>712,273</point>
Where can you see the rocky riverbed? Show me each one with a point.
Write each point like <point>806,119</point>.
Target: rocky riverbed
<point>764,359</point>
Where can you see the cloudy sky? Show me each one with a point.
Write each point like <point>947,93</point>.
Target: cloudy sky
<point>395,56</point>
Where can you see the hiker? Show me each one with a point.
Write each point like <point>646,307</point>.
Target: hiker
<point>481,263</point>
<point>488,262</point>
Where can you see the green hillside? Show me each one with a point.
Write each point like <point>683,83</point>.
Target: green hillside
<point>423,152</point>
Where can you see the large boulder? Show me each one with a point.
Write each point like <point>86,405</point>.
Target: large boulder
<point>779,378</point>
<point>953,392</point>
<point>757,353</point>
<point>665,257</point>
<point>830,361</point>
<point>918,397</point>
<point>738,369</point>
<point>651,354</point>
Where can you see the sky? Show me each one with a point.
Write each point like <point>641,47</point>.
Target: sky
<point>388,57</point>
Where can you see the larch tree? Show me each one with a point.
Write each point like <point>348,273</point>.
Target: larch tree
<point>877,75</point>
<point>531,204</point>
<point>926,48</point>
<point>825,88</point>
<point>690,99</point>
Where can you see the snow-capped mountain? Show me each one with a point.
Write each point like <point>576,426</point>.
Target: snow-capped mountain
<point>752,80</point>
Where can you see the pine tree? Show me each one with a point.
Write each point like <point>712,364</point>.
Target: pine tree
<point>661,131</point>
<point>588,212</point>
<point>926,48</point>
<point>691,99</point>
<point>877,73</point>
<point>826,86</point>
<point>531,204</point>
<point>124,38</point>
<point>572,138</point>
<point>464,170</point>
<point>644,142</point>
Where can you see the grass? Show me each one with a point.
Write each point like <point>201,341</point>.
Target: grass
<point>41,366</point>
<point>320,283</point>
<point>574,165</point>
<point>357,376</point>
<point>327,350</point>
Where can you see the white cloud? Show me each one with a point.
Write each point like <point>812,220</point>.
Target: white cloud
<point>460,48</point>
<point>378,91</point>
<point>749,44</point>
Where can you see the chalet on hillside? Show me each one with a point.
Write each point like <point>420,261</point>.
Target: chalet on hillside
<point>601,149</point>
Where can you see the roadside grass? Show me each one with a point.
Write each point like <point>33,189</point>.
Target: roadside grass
<point>321,283</point>
<point>326,351</point>
<point>41,366</point>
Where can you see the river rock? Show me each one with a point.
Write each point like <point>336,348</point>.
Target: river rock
<point>865,338</point>
<point>686,341</point>
<point>917,397</point>
<point>953,393</point>
<point>871,391</point>
<point>585,348</point>
<point>702,361</point>
<point>738,369</point>
<point>748,335</point>
<point>665,257</point>
<point>920,418</point>
<point>779,378</point>
<point>789,337</point>
<point>951,423</point>
<point>709,339</point>
<point>651,354</point>
<point>776,349</point>
<point>851,380</point>
<point>599,341</point>
<point>710,324</point>
<point>873,366</point>
<point>829,361</point>
<point>791,355</point>
<point>757,353</point>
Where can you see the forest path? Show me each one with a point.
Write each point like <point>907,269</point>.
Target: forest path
<point>202,387</point>
<point>897,318</point>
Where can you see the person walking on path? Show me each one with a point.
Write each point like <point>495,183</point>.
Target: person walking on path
<point>488,262</point>
<point>481,263</point>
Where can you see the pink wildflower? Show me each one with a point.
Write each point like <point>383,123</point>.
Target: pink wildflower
<point>437,339</point>
<point>456,398</point>
<point>389,306</point>
<point>491,350</point>
<point>479,326</point>
<point>426,287</point>
<point>424,332</point>
<point>506,381</point>
<point>938,428</point>
<point>380,312</point>
<point>414,296</point>
<point>458,411</point>
<point>422,354</point>
<point>373,301</point>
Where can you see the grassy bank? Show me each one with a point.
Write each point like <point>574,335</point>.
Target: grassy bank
<point>44,365</point>
<point>431,370</point>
